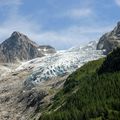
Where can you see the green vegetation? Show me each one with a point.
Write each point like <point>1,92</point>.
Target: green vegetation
<point>90,93</point>
<point>112,62</point>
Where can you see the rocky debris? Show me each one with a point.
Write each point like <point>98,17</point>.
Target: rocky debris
<point>28,87</point>
<point>110,40</point>
<point>17,102</point>
<point>18,47</point>
<point>31,99</point>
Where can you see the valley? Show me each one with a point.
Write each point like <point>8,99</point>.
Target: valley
<point>27,86</point>
<point>38,82</point>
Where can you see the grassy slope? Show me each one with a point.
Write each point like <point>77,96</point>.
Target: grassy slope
<point>90,93</point>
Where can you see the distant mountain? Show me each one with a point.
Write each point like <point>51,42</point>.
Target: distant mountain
<point>110,40</point>
<point>46,49</point>
<point>19,48</point>
<point>88,47</point>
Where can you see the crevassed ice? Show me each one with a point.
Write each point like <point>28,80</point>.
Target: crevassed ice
<point>61,63</point>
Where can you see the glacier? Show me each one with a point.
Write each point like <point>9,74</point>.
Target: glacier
<point>60,64</point>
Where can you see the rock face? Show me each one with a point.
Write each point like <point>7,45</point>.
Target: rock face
<point>18,47</point>
<point>110,40</point>
<point>31,99</point>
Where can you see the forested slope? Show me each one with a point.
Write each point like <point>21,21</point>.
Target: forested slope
<point>90,93</point>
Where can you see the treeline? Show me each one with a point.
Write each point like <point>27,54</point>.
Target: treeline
<point>112,62</point>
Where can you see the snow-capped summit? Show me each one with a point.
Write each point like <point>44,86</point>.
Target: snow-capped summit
<point>90,46</point>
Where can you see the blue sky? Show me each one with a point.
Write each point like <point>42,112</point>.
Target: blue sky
<point>60,23</point>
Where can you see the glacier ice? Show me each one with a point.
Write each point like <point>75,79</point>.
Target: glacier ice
<point>61,63</point>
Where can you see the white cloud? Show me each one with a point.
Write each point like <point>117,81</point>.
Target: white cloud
<point>10,2</point>
<point>61,39</point>
<point>72,36</point>
<point>15,21</point>
<point>117,2</point>
<point>77,13</point>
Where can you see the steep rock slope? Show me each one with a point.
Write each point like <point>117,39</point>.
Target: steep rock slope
<point>110,40</point>
<point>112,63</point>
<point>18,47</point>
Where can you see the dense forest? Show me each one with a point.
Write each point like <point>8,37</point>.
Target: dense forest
<point>90,93</point>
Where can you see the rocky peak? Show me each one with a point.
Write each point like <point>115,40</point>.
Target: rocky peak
<point>18,37</point>
<point>16,34</point>
<point>110,40</point>
<point>118,24</point>
<point>18,47</point>
<point>117,29</point>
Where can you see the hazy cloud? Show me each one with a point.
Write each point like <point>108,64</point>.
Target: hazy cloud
<point>117,2</point>
<point>77,13</point>
<point>10,2</point>
<point>61,39</point>
<point>71,36</point>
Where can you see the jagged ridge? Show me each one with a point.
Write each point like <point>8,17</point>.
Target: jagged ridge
<point>19,48</point>
<point>110,40</point>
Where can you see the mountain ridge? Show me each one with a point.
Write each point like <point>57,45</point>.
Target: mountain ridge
<point>18,47</point>
<point>110,40</point>
<point>62,85</point>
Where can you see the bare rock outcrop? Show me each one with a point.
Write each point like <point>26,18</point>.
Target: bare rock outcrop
<point>110,40</point>
<point>18,47</point>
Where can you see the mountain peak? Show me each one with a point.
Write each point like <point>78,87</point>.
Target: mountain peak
<point>16,33</point>
<point>110,40</point>
<point>118,24</point>
<point>18,47</point>
<point>118,28</point>
<point>20,37</point>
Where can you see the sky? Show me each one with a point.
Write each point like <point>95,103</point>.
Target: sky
<point>59,23</point>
